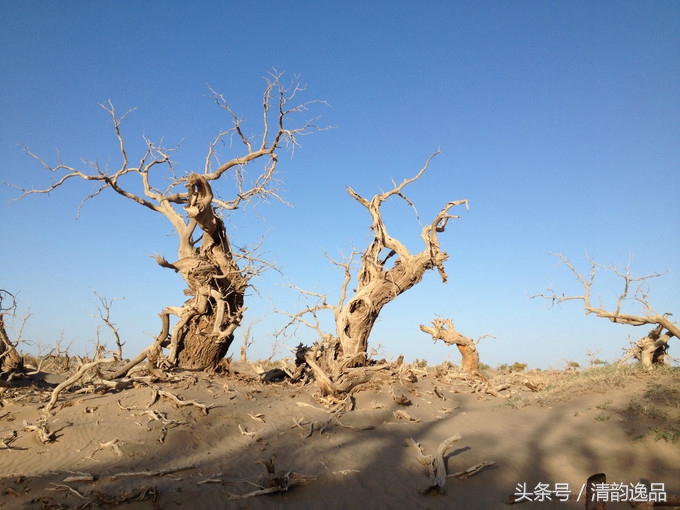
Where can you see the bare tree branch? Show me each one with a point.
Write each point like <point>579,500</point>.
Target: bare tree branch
<point>339,361</point>
<point>445,330</point>
<point>104,310</point>
<point>10,359</point>
<point>633,289</point>
<point>217,277</point>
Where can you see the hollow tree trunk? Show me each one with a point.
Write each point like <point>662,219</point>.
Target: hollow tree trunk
<point>207,321</point>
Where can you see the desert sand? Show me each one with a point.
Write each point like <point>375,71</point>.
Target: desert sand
<point>200,440</point>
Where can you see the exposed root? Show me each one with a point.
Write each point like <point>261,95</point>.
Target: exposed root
<point>275,482</point>
<point>158,472</point>
<point>42,432</point>
<point>483,386</point>
<point>467,473</point>
<point>74,379</point>
<point>435,463</point>
<point>64,487</point>
<point>182,403</point>
<point>8,439</point>
<point>437,467</point>
<point>112,444</point>
<point>404,416</point>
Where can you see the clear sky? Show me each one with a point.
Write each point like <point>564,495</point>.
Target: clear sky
<point>559,121</point>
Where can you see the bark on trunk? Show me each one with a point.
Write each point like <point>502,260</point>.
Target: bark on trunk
<point>445,331</point>
<point>387,270</point>
<point>651,350</point>
<point>376,289</point>
<point>10,359</point>
<point>207,321</point>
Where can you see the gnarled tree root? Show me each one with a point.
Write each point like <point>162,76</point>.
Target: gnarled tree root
<point>437,466</point>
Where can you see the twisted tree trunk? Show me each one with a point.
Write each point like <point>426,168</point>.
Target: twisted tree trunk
<point>388,269</point>
<point>378,283</point>
<point>377,287</point>
<point>207,321</point>
<point>10,359</point>
<point>445,331</point>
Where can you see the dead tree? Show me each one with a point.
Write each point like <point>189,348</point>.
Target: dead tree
<point>216,276</point>
<point>387,270</point>
<point>444,330</point>
<point>650,349</point>
<point>104,309</point>
<point>10,359</point>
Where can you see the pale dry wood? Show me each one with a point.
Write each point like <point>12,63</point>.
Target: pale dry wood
<point>275,482</point>
<point>403,415</point>
<point>74,379</point>
<point>113,444</point>
<point>10,359</point>
<point>257,417</point>
<point>182,403</point>
<point>634,290</point>
<point>64,487</point>
<point>435,463</point>
<point>482,386</point>
<point>104,309</point>
<point>42,432</point>
<point>244,431</point>
<point>157,472</point>
<point>387,269</point>
<point>79,477</point>
<point>8,439</point>
<point>467,473</point>
<point>216,276</point>
<point>445,330</point>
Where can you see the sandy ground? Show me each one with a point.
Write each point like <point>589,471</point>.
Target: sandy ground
<point>137,448</point>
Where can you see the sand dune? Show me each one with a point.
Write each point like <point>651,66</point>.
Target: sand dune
<point>137,448</point>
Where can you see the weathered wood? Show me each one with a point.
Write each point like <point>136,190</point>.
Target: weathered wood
<point>387,270</point>
<point>650,350</point>
<point>445,331</point>
<point>216,277</point>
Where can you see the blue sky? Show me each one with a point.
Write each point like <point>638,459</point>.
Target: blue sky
<point>559,121</point>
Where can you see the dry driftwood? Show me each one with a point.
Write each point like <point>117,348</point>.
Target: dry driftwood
<point>434,463</point>
<point>437,466</point>
<point>42,432</point>
<point>8,439</point>
<point>467,473</point>
<point>157,472</point>
<point>74,379</point>
<point>275,482</point>
<point>182,403</point>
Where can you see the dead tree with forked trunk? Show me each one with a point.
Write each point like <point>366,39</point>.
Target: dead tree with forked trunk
<point>649,350</point>
<point>216,275</point>
<point>339,361</point>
